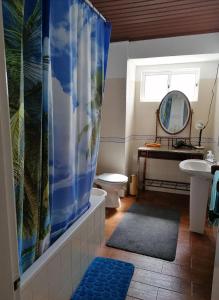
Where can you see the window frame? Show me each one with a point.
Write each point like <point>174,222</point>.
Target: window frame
<point>169,73</point>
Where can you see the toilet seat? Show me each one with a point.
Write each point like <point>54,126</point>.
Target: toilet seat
<point>112,178</point>
<point>112,184</point>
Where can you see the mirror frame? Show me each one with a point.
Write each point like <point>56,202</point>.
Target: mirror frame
<point>189,114</point>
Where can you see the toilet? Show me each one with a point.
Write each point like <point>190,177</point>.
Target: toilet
<point>112,184</point>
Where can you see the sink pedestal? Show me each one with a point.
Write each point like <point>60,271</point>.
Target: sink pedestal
<point>200,173</point>
<point>198,203</point>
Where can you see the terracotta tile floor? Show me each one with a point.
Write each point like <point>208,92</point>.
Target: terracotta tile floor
<point>188,277</point>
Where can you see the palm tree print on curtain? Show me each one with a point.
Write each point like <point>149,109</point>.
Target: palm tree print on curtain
<point>27,66</point>
<point>79,49</point>
<point>56,56</point>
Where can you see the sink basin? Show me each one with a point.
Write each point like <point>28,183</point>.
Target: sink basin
<point>200,177</point>
<point>196,167</point>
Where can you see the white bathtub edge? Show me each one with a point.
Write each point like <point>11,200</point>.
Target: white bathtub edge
<point>36,267</point>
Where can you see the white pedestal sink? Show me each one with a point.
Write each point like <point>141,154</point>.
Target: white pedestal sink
<point>200,173</point>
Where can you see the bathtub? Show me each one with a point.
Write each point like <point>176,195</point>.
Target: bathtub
<point>56,274</point>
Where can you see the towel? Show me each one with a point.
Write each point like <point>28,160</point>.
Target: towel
<point>214,203</point>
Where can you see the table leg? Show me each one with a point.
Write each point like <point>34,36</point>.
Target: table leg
<point>144,173</point>
<point>138,178</point>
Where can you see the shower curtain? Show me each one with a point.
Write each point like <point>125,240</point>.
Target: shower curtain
<point>56,56</point>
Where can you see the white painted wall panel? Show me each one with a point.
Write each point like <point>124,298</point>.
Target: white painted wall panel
<point>216,121</point>
<point>180,45</point>
<point>56,274</point>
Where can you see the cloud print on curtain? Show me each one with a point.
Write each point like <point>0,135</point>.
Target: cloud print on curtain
<point>56,56</point>
<point>79,48</point>
<point>26,64</point>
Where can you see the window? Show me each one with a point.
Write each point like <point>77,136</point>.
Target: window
<point>155,85</point>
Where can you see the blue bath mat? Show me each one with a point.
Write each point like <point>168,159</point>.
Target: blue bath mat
<point>105,279</point>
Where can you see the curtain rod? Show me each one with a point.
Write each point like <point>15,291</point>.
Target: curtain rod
<point>92,6</point>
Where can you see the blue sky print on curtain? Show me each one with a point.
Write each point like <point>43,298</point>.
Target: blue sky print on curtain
<point>79,49</point>
<point>56,55</point>
<point>27,66</point>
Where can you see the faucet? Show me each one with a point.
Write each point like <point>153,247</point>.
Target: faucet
<point>210,157</point>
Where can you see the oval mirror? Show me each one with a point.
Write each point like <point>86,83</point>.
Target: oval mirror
<point>174,112</point>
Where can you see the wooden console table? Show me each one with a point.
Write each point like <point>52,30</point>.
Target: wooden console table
<point>167,153</point>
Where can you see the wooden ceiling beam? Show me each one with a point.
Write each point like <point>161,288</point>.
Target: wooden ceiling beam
<point>168,31</point>
<point>169,6</point>
<point>179,14</point>
<point>167,21</point>
<point>149,31</point>
<point>170,22</point>
<point>129,4</point>
<point>146,19</point>
<point>154,20</point>
<point>163,35</point>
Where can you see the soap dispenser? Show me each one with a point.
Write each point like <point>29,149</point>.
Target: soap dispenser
<point>210,156</point>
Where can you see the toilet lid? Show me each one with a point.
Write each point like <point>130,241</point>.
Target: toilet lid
<point>115,178</point>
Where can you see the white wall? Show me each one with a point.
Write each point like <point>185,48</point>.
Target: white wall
<point>216,123</point>
<point>147,110</point>
<point>112,146</point>
<point>130,114</point>
<point>215,288</point>
<point>182,45</point>
<point>112,153</point>
<point>145,119</point>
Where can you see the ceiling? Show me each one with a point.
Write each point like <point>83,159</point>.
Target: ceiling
<point>147,19</point>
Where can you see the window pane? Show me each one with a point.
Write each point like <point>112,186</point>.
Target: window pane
<point>185,83</point>
<point>156,87</point>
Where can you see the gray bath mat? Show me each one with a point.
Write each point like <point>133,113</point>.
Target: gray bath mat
<point>147,230</point>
